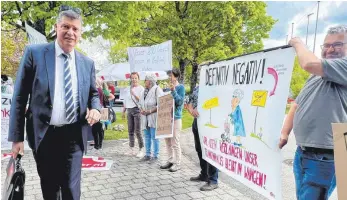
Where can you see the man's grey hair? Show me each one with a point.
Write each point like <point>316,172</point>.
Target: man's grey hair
<point>70,14</point>
<point>338,29</point>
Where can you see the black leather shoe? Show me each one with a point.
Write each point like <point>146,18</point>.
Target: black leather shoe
<point>198,179</point>
<point>166,166</point>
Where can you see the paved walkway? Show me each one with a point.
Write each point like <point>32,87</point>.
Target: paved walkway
<point>132,180</point>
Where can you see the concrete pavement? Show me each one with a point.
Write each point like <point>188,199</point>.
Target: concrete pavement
<point>130,179</point>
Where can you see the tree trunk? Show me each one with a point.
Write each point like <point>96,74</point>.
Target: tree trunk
<point>194,80</point>
<point>183,63</point>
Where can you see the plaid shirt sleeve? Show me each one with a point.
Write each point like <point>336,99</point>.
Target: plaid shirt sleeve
<point>193,98</point>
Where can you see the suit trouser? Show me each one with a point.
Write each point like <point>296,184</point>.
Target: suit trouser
<point>173,145</point>
<point>59,161</point>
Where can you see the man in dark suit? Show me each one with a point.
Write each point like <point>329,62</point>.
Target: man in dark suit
<point>63,105</point>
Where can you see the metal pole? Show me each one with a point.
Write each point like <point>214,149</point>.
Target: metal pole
<point>287,39</point>
<point>292,29</point>
<point>315,32</point>
<point>308,22</point>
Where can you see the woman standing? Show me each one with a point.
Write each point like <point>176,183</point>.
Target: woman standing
<point>173,144</point>
<point>148,104</point>
<point>131,103</point>
<point>97,128</point>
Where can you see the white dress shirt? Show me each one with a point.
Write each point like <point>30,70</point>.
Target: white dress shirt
<point>58,113</point>
<point>129,99</point>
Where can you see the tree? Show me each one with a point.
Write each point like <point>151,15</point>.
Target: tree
<point>12,47</point>
<point>99,17</point>
<point>202,31</point>
<point>299,78</point>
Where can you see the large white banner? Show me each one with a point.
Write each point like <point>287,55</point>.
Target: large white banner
<point>34,36</point>
<point>153,58</point>
<point>242,104</point>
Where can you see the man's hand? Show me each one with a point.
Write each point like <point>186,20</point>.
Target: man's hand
<point>93,116</point>
<point>283,141</point>
<point>195,113</point>
<point>294,42</point>
<point>123,115</point>
<point>17,148</point>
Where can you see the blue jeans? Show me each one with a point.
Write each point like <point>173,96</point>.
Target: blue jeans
<point>149,138</point>
<point>314,175</point>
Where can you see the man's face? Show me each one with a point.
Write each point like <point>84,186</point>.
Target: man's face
<point>340,50</point>
<point>68,33</point>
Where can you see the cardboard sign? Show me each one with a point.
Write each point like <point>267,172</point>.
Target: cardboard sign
<point>340,156</point>
<point>242,104</point>
<point>165,119</point>
<point>104,114</point>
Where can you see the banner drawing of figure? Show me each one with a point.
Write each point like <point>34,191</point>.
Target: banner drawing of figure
<point>236,117</point>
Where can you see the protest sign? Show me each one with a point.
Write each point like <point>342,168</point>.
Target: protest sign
<point>34,36</point>
<point>242,104</point>
<point>165,117</point>
<point>93,163</point>
<point>5,120</point>
<point>340,155</point>
<point>104,114</point>
<point>153,58</point>
<point>6,100</point>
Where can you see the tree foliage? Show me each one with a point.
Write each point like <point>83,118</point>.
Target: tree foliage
<point>12,47</point>
<point>299,78</point>
<point>201,31</point>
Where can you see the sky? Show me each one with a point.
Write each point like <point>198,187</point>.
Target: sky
<point>285,12</point>
<point>330,13</point>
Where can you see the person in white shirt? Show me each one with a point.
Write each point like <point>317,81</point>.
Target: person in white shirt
<point>131,106</point>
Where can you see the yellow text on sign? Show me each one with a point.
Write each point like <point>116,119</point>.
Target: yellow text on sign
<point>259,98</point>
<point>211,103</point>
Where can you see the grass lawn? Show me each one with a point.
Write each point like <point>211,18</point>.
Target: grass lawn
<point>110,134</point>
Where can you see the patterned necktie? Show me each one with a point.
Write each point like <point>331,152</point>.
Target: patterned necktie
<point>69,103</point>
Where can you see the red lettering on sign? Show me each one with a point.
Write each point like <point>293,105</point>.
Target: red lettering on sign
<point>5,112</point>
<point>254,176</point>
<point>251,158</point>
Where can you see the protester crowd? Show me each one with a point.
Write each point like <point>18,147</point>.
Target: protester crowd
<point>314,159</point>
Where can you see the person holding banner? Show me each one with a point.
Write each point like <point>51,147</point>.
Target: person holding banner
<point>173,144</point>
<point>326,88</point>
<point>131,106</point>
<point>63,105</point>
<point>148,106</point>
<point>208,172</point>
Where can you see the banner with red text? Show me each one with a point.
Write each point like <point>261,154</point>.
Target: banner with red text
<point>5,122</point>
<point>94,163</point>
<point>242,104</point>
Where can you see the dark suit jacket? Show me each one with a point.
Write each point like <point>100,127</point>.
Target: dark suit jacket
<point>36,77</point>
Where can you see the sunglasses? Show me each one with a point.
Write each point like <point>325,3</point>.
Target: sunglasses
<point>65,7</point>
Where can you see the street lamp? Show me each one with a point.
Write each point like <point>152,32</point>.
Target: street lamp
<point>308,22</point>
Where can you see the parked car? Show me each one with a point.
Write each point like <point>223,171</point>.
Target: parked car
<point>117,101</point>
